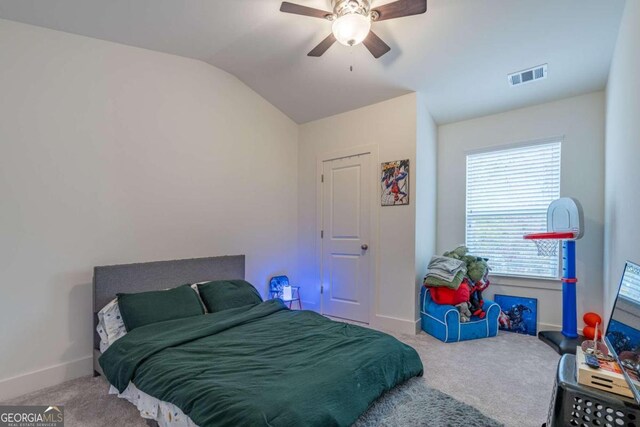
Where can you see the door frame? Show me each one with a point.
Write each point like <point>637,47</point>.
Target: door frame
<point>372,150</point>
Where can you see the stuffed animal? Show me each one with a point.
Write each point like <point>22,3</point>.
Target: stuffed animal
<point>476,301</point>
<point>475,304</point>
<point>477,267</point>
<point>477,278</point>
<point>465,313</point>
<point>457,253</point>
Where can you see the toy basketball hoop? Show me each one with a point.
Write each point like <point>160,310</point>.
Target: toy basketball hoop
<point>565,223</point>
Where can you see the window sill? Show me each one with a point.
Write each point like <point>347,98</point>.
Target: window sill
<point>526,282</point>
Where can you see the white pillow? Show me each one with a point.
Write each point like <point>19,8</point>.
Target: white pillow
<point>110,325</point>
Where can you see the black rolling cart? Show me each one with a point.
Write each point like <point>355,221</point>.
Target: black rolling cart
<point>574,404</point>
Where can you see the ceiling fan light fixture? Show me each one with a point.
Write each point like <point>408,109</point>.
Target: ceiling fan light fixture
<point>352,21</point>
<point>351,29</point>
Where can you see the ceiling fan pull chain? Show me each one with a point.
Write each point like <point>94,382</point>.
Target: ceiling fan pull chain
<point>351,57</point>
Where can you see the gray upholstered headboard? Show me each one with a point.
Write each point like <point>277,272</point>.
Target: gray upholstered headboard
<point>152,276</point>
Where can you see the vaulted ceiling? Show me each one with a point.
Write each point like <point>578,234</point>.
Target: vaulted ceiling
<point>458,54</point>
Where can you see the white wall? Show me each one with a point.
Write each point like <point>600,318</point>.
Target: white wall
<point>392,126</point>
<point>581,121</point>
<point>113,154</point>
<point>622,203</point>
<point>426,192</point>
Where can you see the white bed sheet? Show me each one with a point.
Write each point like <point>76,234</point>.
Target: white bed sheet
<point>166,414</point>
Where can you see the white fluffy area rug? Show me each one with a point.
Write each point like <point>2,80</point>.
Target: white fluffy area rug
<point>416,404</point>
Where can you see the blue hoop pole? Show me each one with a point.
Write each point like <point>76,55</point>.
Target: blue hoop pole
<point>569,310</point>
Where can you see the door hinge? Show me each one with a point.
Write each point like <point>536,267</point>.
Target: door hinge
<point>322,289</point>
<point>322,234</point>
<point>322,178</point>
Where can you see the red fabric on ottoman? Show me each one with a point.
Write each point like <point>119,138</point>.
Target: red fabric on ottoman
<point>449,296</point>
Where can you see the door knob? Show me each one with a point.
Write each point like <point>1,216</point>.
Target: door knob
<point>364,247</point>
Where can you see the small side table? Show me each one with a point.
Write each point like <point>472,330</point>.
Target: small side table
<point>276,286</point>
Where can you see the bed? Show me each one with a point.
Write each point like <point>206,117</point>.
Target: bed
<point>261,364</point>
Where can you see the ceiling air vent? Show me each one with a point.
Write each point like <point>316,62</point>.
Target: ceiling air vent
<point>527,76</point>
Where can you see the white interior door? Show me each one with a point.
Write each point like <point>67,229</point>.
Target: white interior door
<point>345,237</point>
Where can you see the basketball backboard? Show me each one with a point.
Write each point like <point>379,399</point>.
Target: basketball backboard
<point>565,214</point>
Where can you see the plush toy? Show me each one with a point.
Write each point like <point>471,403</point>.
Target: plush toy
<point>457,253</point>
<point>465,313</point>
<point>477,279</point>
<point>477,267</point>
<point>476,301</point>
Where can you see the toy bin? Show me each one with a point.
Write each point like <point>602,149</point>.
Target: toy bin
<point>574,404</point>
<point>443,321</point>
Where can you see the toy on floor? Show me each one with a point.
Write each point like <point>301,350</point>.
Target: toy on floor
<point>457,277</point>
<point>477,277</point>
<point>565,223</point>
<point>592,320</point>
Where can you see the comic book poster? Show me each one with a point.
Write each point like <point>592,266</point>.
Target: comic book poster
<point>519,314</point>
<point>395,183</point>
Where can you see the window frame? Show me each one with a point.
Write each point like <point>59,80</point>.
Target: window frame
<point>509,146</point>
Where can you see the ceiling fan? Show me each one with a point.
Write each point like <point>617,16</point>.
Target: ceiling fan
<point>352,21</point>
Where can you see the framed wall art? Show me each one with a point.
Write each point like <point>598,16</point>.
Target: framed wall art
<point>394,183</point>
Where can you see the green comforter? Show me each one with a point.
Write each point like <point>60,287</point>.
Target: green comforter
<point>261,365</point>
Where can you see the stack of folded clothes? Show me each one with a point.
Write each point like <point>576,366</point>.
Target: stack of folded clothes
<point>445,272</point>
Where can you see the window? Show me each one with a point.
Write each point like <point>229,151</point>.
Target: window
<point>630,283</point>
<point>508,192</point>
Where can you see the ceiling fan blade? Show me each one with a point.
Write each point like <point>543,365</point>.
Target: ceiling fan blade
<point>323,46</point>
<point>401,8</point>
<point>303,10</point>
<point>375,45</point>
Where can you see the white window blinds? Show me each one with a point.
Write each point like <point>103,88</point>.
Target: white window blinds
<point>508,192</point>
<point>630,286</point>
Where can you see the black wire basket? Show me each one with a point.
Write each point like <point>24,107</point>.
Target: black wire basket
<point>573,404</point>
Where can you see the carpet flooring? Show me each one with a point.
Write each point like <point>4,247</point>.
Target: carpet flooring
<point>507,379</point>
<point>415,404</point>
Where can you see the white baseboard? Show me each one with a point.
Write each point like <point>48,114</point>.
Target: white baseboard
<point>42,378</point>
<point>308,305</point>
<point>552,327</point>
<point>394,324</point>
<point>548,327</point>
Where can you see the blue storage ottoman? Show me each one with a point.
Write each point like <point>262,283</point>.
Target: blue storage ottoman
<point>443,321</point>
